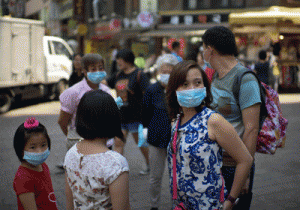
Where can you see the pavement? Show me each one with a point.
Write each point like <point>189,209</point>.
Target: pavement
<point>276,184</point>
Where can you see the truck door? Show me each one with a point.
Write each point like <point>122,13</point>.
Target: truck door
<point>59,61</point>
<point>20,58</point>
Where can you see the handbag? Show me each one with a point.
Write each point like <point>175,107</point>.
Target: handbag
<point>180,206</point>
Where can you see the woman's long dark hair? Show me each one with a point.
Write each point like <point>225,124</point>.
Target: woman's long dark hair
<point>177,78</point>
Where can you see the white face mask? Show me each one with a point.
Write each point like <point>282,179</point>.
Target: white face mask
<point>164,78</point>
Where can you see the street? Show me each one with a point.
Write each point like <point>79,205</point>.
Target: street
<point>277,179</point>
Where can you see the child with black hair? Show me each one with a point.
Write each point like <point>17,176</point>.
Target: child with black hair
<point>96,177</point>
<point>32,182</point>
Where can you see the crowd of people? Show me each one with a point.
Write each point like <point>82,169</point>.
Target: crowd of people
<point>194,124</point>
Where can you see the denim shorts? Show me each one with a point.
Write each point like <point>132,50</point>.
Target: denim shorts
<point>131,127</point>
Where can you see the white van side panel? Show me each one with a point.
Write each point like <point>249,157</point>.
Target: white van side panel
<point>20,52</point>
<point>5,51</point>
<point>39,72</point>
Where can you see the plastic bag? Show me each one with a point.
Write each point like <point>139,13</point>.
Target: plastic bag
<point>142,133</point>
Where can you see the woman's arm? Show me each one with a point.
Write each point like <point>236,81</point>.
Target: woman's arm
<point>69,195</point>
<point>28,201</point>
<point>119,192</point>
<point>224,133</point>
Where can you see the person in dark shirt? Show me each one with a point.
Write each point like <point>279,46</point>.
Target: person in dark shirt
<point>130,84</point>
<point>155,118</point>
<point>77,74</point>
<point>262,67</point>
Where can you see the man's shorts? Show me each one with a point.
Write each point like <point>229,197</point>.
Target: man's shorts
<point>131,127</point>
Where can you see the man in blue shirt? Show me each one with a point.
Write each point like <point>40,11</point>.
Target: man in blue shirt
<point>175,50</point>
<point>219,52</point>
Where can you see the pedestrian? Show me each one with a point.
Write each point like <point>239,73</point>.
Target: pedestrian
<point>201,135</point>
<point>94,72</point>
<point>220,52</point>
<point>176,50</point>
<point>155,118</point>
<point>113,68</point>
<point>262,67</point>
<point>200,61</point>
<point>96,177</point>
<point>77,74</point>
<point>32,183</point>
<point>130,84</point>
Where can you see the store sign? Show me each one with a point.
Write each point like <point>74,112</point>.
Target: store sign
<point>115,25</point>
<point>145,19</point>
<point>202,19</point>
<point>188,20</point>
<point>175,20</point>
<point>78,6</point>
<point>194,19</point>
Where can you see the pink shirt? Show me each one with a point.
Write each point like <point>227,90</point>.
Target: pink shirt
<point>70,99</point>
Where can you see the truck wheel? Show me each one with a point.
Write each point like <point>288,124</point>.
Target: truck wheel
<point>60,88</point>
<point>5,102</point>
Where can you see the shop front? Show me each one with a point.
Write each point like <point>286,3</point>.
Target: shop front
<point>278,29</point>
<point>186,27</point>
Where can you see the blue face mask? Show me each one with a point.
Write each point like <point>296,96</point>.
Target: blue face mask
<point>36,158</point>
<point>207,64</point>
<point>191,98</point>
<point>164,78</point>
<point>96,77</point>
<point>204,66</point>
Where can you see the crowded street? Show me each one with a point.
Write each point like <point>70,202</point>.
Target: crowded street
<point>276,185</point>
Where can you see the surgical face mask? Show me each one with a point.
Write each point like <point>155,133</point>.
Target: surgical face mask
<point>164,78</point>
<point>204,66</point>
<point>96,77</point>
<point>36,158</point>
<point>206,62</point>
<point>191,98</point>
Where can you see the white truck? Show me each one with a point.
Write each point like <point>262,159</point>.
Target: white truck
<point>32,65</point>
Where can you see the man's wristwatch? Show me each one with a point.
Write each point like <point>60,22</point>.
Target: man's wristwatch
<point>232,199</point>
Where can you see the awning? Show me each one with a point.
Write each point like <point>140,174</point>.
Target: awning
<point>172,33</point>
<point>273,15</point>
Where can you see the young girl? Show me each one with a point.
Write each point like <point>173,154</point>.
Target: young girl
<point>96,177</point>
<point>32,182</point>
<point>201,135</point>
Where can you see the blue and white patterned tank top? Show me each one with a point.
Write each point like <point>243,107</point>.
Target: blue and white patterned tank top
<point>198,163</point>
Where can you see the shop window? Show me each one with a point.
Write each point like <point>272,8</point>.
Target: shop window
<point>196,4</point>
<point>119,7</point>
<point>238,3</point>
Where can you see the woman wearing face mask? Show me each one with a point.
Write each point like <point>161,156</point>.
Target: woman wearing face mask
<point>155,118</point>
<point>198,136</point>
<point>94,73</point>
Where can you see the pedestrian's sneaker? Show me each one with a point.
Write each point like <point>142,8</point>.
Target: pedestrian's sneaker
<point>145,171</point>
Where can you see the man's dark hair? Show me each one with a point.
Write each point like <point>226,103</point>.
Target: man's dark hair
<point>90,59</point>
<point>22,136</point>
<point>98,116</point>
<point>127,55</point>
<point>221,39</point>
<point>175,45</point>
<point>262,55</point>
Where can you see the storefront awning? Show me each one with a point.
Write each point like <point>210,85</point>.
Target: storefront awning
<point>273,15</point>
<point>172,33</point>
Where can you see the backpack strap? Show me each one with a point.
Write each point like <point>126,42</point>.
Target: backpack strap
<point>236,92</point>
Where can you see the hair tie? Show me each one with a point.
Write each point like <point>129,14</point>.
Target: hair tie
<point>31,123</point>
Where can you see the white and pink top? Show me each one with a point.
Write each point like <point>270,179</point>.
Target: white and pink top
<point>70,99</point>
